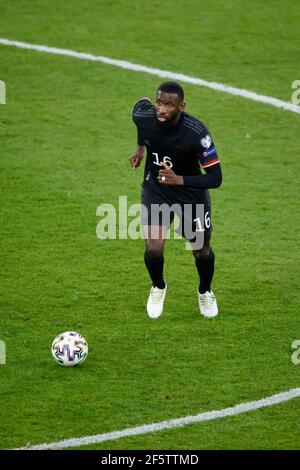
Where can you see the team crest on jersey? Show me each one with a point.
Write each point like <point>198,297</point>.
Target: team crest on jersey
<point>206,142</point>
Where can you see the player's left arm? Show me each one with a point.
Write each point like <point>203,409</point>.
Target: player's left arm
<point>206,152</point>
<point>211,179</point>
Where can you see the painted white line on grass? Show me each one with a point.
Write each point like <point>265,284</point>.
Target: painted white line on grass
<point>158,72</point>
<point>173,423</point>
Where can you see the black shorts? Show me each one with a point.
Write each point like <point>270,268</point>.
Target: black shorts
<point>193,219</point>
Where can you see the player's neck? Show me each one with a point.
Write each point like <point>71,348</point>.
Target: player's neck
<point>176,119</point>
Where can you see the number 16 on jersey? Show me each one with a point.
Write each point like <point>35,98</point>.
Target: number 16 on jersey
<point>166,160</point>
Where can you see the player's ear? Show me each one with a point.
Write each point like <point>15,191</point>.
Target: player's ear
<point>182,106</point>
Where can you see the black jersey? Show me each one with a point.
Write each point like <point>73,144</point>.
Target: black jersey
<point>184,147</point>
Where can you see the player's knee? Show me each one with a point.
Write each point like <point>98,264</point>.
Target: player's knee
<point>203,253</point>
<point>155,250</point>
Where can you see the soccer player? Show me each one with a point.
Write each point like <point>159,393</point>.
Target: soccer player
<point>177,144</point>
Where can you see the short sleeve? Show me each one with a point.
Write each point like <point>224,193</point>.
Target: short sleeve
<point>206,150</point>
<point>142,109</point>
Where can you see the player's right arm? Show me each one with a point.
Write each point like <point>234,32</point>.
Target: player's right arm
<point>137,156</point>
<point>140,108</point>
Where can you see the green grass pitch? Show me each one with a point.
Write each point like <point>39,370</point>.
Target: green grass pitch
<point>65,138</point>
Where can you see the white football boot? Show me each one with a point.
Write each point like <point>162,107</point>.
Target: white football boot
<point>208,304</point>
<point>155,303</point>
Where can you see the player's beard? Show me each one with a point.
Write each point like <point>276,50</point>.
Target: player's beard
<point>169,122</point>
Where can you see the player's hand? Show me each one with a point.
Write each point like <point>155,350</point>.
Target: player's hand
<point>167,176</point>
<point>136,158</point>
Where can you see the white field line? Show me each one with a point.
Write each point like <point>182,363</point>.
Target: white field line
<point>157,72</point>
<point>173,423</point>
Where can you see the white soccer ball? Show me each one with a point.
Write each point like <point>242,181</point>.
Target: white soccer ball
<point>69,349</point>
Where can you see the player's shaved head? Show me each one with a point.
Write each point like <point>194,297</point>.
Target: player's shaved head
<point>172,88</point>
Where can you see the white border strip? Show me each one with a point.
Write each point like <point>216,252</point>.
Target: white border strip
<point>173,423</point>
<point>158,72</point>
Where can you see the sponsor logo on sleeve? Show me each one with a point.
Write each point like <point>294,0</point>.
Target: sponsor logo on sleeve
<point>206,141</point>
<point>210,152</point>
